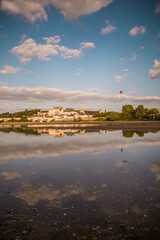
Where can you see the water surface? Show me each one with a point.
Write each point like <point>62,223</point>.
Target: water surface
<point>72,184</point>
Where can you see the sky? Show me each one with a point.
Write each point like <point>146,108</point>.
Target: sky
<point>79,54</point>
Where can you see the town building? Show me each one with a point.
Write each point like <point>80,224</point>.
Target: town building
<point>59,114</point>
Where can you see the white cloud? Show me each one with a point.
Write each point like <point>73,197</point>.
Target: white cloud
<point>44,51</point>
<point>156,64</point>
<point>34,10</point>
<point>137,30</point>
<point>30,9</point>
<point>40,94</point>
<point>87,45</point>
<point>108,29</point>
<point>118,78</point>
<point>69,53</point>
<point>50,40</point>
<point>157,10</point>
<point>155,72</point>
<point>29,49</point>
<point>9,70</point>
<point>26,51</point>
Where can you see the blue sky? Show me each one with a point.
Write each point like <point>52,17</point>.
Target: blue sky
<point>79,54</point>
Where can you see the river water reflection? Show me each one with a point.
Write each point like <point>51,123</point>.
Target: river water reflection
<point>72,184</point>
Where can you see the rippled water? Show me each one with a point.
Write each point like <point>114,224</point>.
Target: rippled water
<point>71,184</point>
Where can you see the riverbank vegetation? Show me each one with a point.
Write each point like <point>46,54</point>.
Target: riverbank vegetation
<point>129,113</point>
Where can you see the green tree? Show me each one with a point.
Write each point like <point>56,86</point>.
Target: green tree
<point>140,112</point>
<point>153,113</point>
<point>127,112</point>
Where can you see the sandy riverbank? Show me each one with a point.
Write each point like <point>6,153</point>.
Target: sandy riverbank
<point>115,125</point>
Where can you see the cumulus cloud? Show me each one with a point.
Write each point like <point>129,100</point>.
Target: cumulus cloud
<point>34,10</point>
<point>41,94</point>
<point>118,78</point>
<point>155,72</point>
<point>69,53</point>
<point>137,30</point>
<point>44,51</point>
<point>50,40</point>
<point>87,45</point>
<point>9,70</point>
<point>31,9</point>
<point>156,64</point>
<point>26,51</point>
<point>108,29</point>
<point>29,49</point>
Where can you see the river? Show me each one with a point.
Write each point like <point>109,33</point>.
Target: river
<point>78,184</point>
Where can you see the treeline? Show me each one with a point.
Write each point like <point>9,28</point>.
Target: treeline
<point>129,113</point>
<point>22,115</point>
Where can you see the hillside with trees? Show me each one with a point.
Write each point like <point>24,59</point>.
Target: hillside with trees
<point>22,114</point>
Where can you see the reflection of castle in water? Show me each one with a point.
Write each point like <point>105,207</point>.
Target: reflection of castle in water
<point>62,132</point>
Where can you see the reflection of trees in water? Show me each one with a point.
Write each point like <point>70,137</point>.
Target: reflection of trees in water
<point>51,131</point>
<point>130,134</point>
<point>69,132</point>
<point>127,134</point>
<point>26,131</point>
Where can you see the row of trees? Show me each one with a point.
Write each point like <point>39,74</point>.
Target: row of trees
<point>129,113</point>
<point>22,114</point>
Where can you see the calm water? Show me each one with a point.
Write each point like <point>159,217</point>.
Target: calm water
<point>73,184</point>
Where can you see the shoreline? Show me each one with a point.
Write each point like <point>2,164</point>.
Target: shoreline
<point>115,125</point>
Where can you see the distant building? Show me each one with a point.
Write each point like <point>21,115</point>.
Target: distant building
<point>55,111</point>
<point>59,114</point>
<point>81,111</point>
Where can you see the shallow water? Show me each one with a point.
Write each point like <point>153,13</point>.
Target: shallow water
<point>71,184</point>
